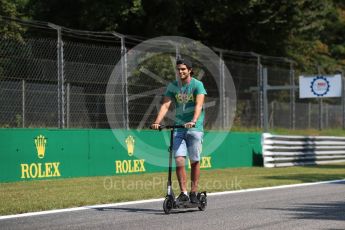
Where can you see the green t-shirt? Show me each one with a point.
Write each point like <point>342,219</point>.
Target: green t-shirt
<point>184,97</point>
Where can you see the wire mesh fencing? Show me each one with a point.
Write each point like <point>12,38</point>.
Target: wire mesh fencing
<point>58,77</point>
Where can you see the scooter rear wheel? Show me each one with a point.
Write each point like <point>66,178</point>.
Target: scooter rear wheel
<point>167,205</point>
<point>203,203</point>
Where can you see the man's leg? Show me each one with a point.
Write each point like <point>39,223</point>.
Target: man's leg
<point>195,175</point>
<point>181,173</point>
<point>194,146</point>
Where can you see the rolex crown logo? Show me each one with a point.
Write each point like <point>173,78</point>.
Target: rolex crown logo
<point>130,145</point>
<point>40,142</point>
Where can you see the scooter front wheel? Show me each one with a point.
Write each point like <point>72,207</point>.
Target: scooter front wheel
<point>167,205</point>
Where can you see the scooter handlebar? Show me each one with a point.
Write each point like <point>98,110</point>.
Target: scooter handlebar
<point>161,127</point>
<point>171,127</point>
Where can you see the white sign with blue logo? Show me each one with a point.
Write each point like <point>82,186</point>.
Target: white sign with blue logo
<point>320,86</point>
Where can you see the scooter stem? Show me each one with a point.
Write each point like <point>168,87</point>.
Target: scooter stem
<point>170,159</point>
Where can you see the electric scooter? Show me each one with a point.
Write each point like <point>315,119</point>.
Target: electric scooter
<point>170,202</point>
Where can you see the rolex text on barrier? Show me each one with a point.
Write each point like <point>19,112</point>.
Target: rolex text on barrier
<point>38,169</point>
<point>132,165</point>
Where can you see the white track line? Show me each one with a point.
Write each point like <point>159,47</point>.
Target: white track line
<point>274,187</point>
<point>29,214</point>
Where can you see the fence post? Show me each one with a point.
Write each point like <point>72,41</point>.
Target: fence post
<point>124,53</point>
<point>222,90</point>
<point>265,101</point>
<point>124,79</point>
<point>23,103</point>
<point>271,120</point>
<point>320,104</point>
<point>343,99</point>
<point>292,98</point>
<point>326,116</point>
<point>68,108</point>
<point>260,92</point>
<point>309,115</point>
<point>320,114</point>
<point>61,77</point>
<point>177,53</point>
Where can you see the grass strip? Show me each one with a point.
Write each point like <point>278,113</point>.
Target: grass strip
<point>29,196</point>
<point>299,132</point>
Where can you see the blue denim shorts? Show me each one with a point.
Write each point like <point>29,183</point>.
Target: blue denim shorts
<point>188,142</point>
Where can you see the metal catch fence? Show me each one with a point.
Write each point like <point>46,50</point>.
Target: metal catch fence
<point>58,77</point>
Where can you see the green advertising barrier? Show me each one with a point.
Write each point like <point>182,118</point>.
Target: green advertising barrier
<point>35,154</point>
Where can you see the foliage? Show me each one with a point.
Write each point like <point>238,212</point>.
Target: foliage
<point>308,31</point>
<point>9,9</point>
<point>82,14</point>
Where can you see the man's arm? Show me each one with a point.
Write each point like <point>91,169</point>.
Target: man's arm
<point>199,102</point>
<point>162,112</point>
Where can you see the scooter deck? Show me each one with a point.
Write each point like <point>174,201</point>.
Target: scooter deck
<point>186,204</point>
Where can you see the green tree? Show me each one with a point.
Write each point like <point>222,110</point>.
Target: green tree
<point>306,44</point>
<point>8,10</point>
<point>80,14</point>
<point>308,31</point>
<point>334,34</point>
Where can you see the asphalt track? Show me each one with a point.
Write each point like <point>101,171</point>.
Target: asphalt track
<point>317,206</point>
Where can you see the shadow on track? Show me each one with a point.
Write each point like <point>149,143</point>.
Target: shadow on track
<point>317,211</point>
<point>144,210</point>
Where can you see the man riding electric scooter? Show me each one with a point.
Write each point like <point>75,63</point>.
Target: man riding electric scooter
<point>188,94</point>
